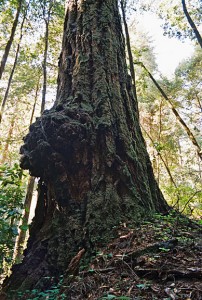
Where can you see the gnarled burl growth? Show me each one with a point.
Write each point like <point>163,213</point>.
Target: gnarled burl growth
<point>88,149</point>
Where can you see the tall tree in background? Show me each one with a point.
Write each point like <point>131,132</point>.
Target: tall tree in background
<point>88,149</point>
<point>181,20</point>
<point>47,7</point>
<point>182,122</point>
<point>10,41</point>
<point>175,161</point>
<point>24,89</point>
<point>191,23</point>
<point>128,45</point>
<point>23,225</point>
<point>14,65</point>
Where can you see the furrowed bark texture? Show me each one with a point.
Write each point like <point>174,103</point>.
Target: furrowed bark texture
<point>88,149</point>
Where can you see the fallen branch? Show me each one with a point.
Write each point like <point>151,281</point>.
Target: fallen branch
<point>73,266</point>
<point>168,245</point>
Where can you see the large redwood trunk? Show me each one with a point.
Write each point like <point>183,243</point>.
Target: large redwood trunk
<point>88,149</point>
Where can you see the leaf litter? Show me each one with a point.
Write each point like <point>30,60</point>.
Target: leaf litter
<point>161,259</point>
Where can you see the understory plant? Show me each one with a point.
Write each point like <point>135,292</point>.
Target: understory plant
<point>11,205</point>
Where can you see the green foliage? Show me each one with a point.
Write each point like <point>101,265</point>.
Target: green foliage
<point>25,91</point>
<point>54,292</point>
<point>143,286</point>
<point>110,297</point>
<point>175,162</point>
<point>190,199</point>
<point>174,20</point>
<point>11,204</point>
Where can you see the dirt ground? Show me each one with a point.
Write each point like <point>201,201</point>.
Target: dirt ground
<point>162,259</point>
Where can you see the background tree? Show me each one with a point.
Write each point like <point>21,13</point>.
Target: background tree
<point>175,20</point>
<point>29,68</point>
<point>173,171</point>
<point>169,148</point>
<point>191,23</point>
<point>14,64</point>
<point>10,40</point>
<point>23,102</point>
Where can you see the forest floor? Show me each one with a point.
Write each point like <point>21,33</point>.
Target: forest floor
<point>162,259</point>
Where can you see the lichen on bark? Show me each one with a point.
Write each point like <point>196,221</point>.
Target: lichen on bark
<point>88,149</point>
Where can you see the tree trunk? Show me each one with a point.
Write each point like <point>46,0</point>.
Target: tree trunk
<point>88,150</point>
<point>192,24</point>
<point>159,139</point>
<point>47,21</point>
<point>10,41</point>
<point>9,136</point>
<point>164,163</point>
<point>21,239</point>
<point>128,46</point>
<point>177,115</point>
<point>13,68</point>
<point>43,102</point>
<point>35,99</point>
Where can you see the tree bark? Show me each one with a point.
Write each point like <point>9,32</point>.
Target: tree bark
<point>191,23</point>
<point>10,41</point>
<point>130,56</point>
<point>88,150</point>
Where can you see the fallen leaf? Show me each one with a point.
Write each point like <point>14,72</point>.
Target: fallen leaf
<point>170,293</point>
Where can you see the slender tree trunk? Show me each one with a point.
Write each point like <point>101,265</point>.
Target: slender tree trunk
<point>178,117</point>
<point>172,180</point>
<point>130,56</point>
<point>21,239</point>
<point>88,150</point>
<point>13,68</point>
<point>162,159</point>
<point>43,102</point>
<point>180,154</point>
<point>47,21</point>
<point>192,24</point>
<point>160,121</point>
<point>35,100</point>
<point>9,136</point>
<point>200,169</point>
<point>159,137</point>
<point>198,100</point>
<point>10,41</point>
